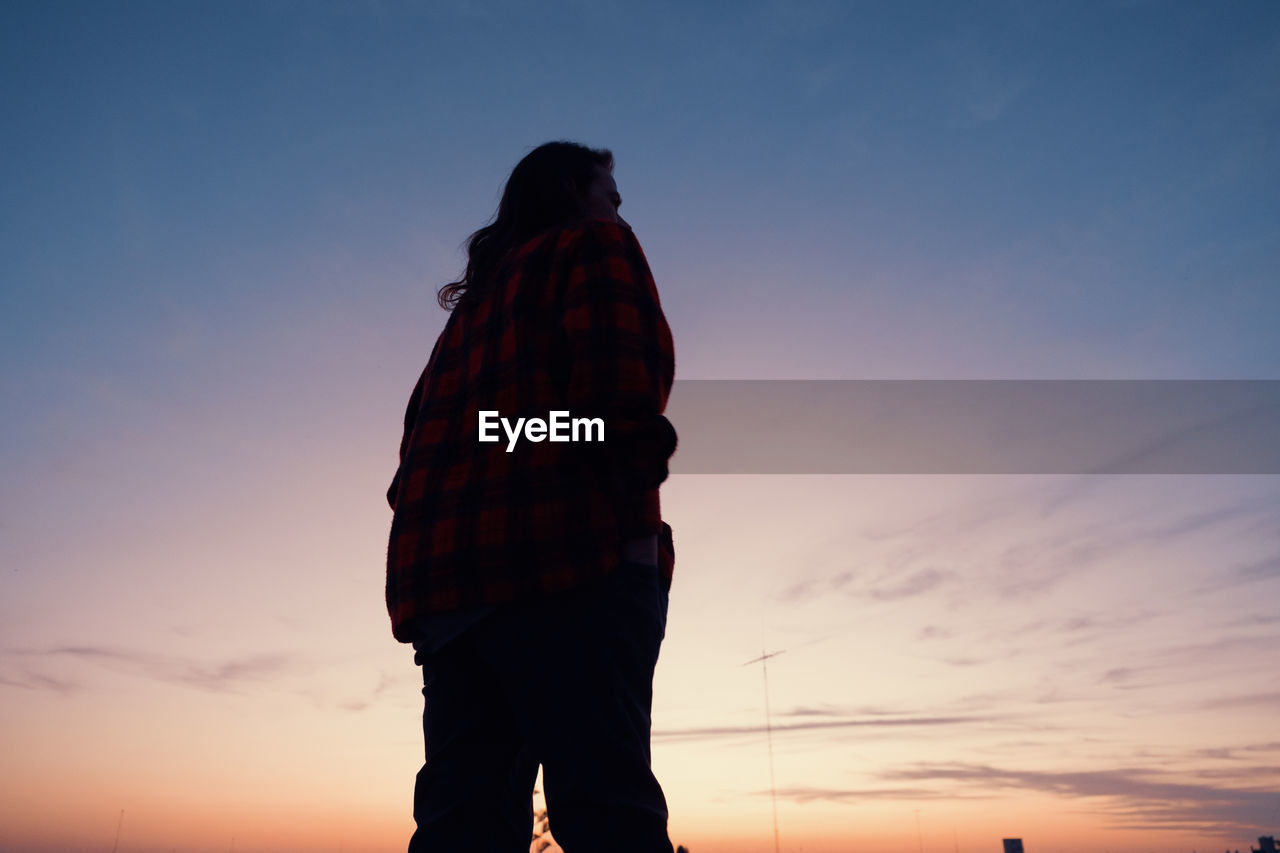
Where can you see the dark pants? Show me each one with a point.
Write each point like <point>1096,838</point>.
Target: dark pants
<point>566,682</point>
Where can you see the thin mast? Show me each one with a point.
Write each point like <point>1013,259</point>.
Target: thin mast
<point>768,732</point>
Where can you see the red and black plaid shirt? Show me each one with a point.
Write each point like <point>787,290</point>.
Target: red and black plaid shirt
<point>572,324</point>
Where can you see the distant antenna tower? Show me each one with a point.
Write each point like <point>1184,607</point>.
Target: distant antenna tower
<point>768,732</point>
<point>119,824</point>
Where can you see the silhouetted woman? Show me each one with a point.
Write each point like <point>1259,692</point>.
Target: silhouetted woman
<point>530,565</point>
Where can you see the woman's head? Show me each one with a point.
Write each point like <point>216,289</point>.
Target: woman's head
<point>550,186</point>
<point>555,183</point>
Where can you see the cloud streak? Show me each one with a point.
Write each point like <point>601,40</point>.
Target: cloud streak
<point>917,583</point>
<point>1134,798</point>
<point>883,722</point>
<point>226,676</point>
<point>1263,570</point>
<point>851,796</point>
<point>30,680</point>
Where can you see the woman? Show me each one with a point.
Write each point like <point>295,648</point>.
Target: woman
<point>531,573</point>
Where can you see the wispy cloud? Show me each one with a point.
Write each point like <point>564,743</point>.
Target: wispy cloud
<point>882,722</point>
<point>933,632</point>
<point>1247,752</point>
<point>838,711</point>
<point>27,679</point>
<point>1244,700</point>
<point>216,676</point>
<point>1263,570</point>
<point>916,583</point>
<point>1119,675</point>
<point>352,701</point>
<point>67,669</point>
<point>1134,798</point>
<point>1207,655</point>
<point>851,796</point>
<point>817,587</point>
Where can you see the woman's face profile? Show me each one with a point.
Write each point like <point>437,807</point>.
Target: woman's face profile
<point>601,199</point>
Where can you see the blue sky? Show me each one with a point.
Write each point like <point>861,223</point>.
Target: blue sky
<point>221,230</point>
<point>1086,177</point>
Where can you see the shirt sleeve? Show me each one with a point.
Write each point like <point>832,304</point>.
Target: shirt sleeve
<point>411,420</point>
<point>410,417</point>
<point>622,364</point>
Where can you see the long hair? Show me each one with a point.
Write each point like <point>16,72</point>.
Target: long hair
<point>545,189</point>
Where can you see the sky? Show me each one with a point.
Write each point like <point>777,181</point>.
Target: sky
<point>221,230</point>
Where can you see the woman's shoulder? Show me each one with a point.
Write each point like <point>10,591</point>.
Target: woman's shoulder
<point>570,235</point>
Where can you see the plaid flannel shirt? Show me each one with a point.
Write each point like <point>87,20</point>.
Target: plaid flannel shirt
<point>572,324</point>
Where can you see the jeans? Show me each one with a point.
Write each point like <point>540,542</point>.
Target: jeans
<point>565,681</point>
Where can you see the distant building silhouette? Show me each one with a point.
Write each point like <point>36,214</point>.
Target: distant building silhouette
<point>1013,845</point>
<point>1266,844</point>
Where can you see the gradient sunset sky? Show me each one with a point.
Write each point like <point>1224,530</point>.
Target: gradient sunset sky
<point>222,225</point>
